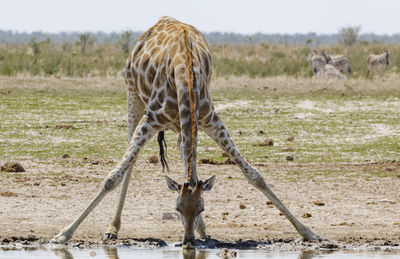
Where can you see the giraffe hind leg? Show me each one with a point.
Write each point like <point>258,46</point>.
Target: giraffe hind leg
<point>217,131</point>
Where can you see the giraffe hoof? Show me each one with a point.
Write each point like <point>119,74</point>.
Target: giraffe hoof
<point>110,236</point>
<point>314,237</point>
<point>60,239</point>
<point>311,236</point>
<point>206,237</point>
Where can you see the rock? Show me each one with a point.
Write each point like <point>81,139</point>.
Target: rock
<point>319,203</point>
<point>306,215</point>
<point>289,158</point>
<point>62,126</point>
<point>387,201</point>
<point>12,167</point>
<point>208,161</point>
<point>8,194</point>
<point>268,142</point>
<point>170,216</point>
<point>344,223</point>
<point>153,159</point>
<point>287,149</point>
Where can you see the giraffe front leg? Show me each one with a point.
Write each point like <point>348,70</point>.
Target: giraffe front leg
<point>135,113</point>
<point>115,224</point>
<point>142,134</point>
<point>201,228</point>
<point>217,131</point>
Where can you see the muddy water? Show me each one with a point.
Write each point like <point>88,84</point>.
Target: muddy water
<point>175,253</point>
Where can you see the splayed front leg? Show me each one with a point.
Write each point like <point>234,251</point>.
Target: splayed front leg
<point>142,134</point>
<point>201,228</point>
<point>115,224</point>
<point>217,131</point>
<point>257,181</point>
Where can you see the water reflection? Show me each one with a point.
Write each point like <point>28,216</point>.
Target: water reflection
<point>307,254</point>
<point>175,253</point>
<point>112,253</point>
<point>194,254</point>
<point>63,253</point>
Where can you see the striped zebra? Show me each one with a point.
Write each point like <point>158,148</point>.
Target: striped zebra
<point>328,71</point>
<point>378,62</point>
<point>317,62</point>
<point>340,62</point>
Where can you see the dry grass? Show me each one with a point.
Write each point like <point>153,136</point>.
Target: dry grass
<point>255,61</point>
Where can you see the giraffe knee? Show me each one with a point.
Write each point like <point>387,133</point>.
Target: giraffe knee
<point>111,182</point>
<point>256,180</point>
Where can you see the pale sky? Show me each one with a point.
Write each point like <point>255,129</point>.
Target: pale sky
<point>240,16</point>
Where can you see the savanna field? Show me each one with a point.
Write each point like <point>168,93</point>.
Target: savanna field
<point>329,148</point>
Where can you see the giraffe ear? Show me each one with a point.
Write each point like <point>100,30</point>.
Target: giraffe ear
<point>172,185</point>
<point>208,184</point>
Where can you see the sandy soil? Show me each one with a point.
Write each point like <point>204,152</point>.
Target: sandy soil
<point>354,209</point>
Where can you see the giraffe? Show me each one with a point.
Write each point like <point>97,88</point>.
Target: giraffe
<point>167,75</point>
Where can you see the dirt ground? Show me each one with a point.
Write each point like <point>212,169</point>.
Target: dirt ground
<point>356,201</point>
<point>346,209</point>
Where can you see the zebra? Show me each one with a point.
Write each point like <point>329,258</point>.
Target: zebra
<point>340,62</point>
<point>317,62</point>
<point>378,62</point>
<point>330,72</point>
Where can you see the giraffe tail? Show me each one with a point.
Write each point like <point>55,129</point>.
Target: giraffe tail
<point>163,155</point>
<point>193,96</point>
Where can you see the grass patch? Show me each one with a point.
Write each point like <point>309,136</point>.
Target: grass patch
<point>327,126</point>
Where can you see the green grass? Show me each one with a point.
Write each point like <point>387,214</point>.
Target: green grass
<point>327,126</point>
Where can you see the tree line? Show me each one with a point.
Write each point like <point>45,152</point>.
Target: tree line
<point>309,39</point>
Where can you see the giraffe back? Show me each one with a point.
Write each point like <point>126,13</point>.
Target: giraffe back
<point>169,70</point>
<point>161,49</point>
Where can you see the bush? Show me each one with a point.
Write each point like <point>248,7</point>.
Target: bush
<point>348,35</point>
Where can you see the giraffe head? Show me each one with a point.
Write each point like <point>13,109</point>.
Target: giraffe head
<point>190,204</point>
